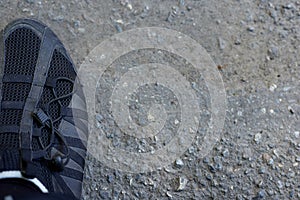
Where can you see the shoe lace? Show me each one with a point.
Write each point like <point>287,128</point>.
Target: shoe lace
<point>60,158</point>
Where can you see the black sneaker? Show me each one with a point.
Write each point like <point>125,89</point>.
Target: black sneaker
<point>43,126</point>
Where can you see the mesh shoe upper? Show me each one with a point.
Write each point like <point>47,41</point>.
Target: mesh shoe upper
<point>43,132</point>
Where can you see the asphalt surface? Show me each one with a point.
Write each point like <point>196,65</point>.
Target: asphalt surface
<point>255,47</point>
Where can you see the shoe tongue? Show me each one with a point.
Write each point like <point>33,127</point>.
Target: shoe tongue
<point>9,160</point>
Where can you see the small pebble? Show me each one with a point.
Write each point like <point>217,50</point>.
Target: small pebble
<point>271,161</point>
<point>221,43</point>
<point>271,145</point>
<point>289,6</point>
<point>219,166</point>
<point>273,52</point>
<point>129,6</point>
<point>26,10</point>
<point>189,8</point>
<point>297,134</point>
<point>118,28</point>
<point>208,177</point>
<point>257,137</point>
<point>225,153</point>
<point>170,17</point>
<point>110,178</point>
<point>262,170</point>
<point>99,117</point>
<point>279,184</point>
<point>292,194</point>
<point>104,194</point>
<point>266,157</point>
<point>270,192</point>
<point>191,150</point>
<point>273,87</point>
<point>76,23</point>
<point>206,160</point>
<point>247,171</point>
<point>291,110</point>
<point>251,29</point>
<point>261,194</point>
<point>58,18</point>
<point>179,163</point>
<point>182,183</point>
<point>81,30</point>
<point>240,113</point>
<point>212,169</point>
<point>237,42</point>
<point>169,195</point>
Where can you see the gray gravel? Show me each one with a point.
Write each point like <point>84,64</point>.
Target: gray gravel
<point>255,43</point>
